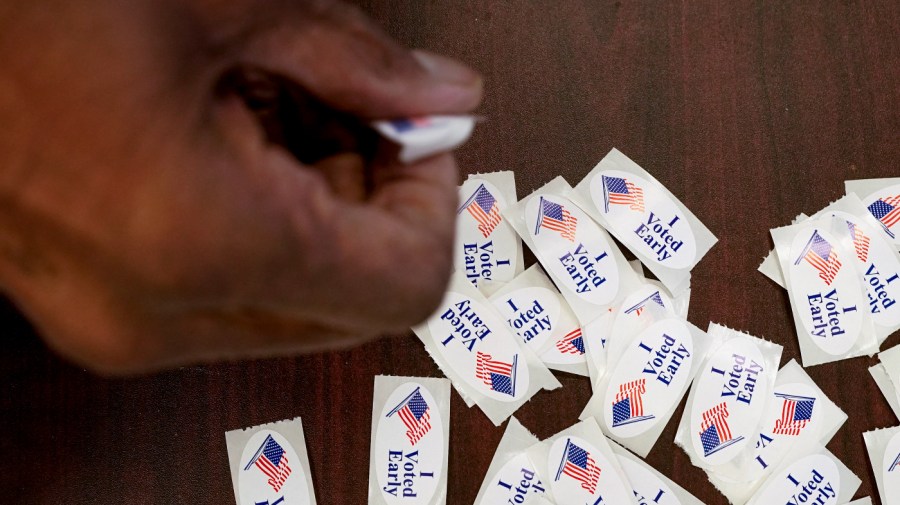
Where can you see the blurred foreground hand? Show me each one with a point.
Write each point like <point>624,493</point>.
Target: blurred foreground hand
<point>147,217</point>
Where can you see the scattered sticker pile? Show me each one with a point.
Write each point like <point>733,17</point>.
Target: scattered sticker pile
<point>757,431</point>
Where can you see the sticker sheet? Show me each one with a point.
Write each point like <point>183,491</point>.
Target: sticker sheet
<point>512,477</point>
<point>645,216</point>
<point>881,198</point>
<point>421,137</point>
<point>828,299</point>
<point>883,447</point>
<point>486,249</point>
<point>799,415</point>
<point>269,464</point>
<point>883,381</point>
<point>538,314</point>
<point>410,441</point>
<point>729,398</point>
<point>650,486</point>
<point>814,476</point>
<point>646,381</point>
<point>581,467</point>
<point>475,349</point>
<point>580,257</point>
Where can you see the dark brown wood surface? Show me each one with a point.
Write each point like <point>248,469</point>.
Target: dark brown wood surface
<point>750,112</point>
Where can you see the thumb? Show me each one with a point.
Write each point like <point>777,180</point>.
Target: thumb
<point>343,59</point>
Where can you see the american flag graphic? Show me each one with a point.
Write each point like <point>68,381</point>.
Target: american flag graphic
<point>638,308</point>
<point>554,216</point>
<point>628,406</point>
<point>272,461</point>
<point>796,412</point>
<point>578,464</point>
<point>895,465</point>
<point>572,343</point>
<point>415,414</point>
<point>821,255</point>
<point>408,124</point>
<point>715,434</point>
<point>618,191</point>
<point>887,210</point>
<point>483,207</point>
<point>860,242</point>
<point>497,375</point>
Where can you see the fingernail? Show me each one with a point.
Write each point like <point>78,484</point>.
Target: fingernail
<point>447,70</point>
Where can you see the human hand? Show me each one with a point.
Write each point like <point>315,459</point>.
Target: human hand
<point>146,221</point>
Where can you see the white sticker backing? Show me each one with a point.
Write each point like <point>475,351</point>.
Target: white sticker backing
<point>883,381</point>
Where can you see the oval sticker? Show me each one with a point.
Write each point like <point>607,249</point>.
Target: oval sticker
<point>649,378</point>
<point>582,473</point>
<point>514,483</point>
<point>409,445</point>
<point>645,218</point>
<point>574,248</point>
<point>884,204</point>
<point>828,294</point>
<point>731,393</point>
<point>648,488</point>
<point>813,479</point>
<point>891,468</point>
<point>531,313</point>
<point>486,248</point>
<point>880,270</point>
<point>271,471</point>
<point>472,339</point>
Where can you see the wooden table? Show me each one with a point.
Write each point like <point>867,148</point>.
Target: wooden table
<point>750,112</point>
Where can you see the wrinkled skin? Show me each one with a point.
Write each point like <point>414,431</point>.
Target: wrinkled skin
<point>146,221</point>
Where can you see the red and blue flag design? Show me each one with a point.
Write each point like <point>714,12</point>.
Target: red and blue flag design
<point>415,414</point>
<point>822,256</point>
<point>578,464</point>
<point>715,434</point>
<point>628,406</point>
<point>886,210</point>
<point>618,191</point>
<point>572,343</point>
<point>796,412</point>
<point>555,217</point>
<point>860,242</point>
<point>272,461</point>
<point>484,209</point>
<point>638,308</point>
<point>498,375</point>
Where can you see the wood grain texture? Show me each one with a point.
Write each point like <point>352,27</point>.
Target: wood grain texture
<point>750,112</point>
